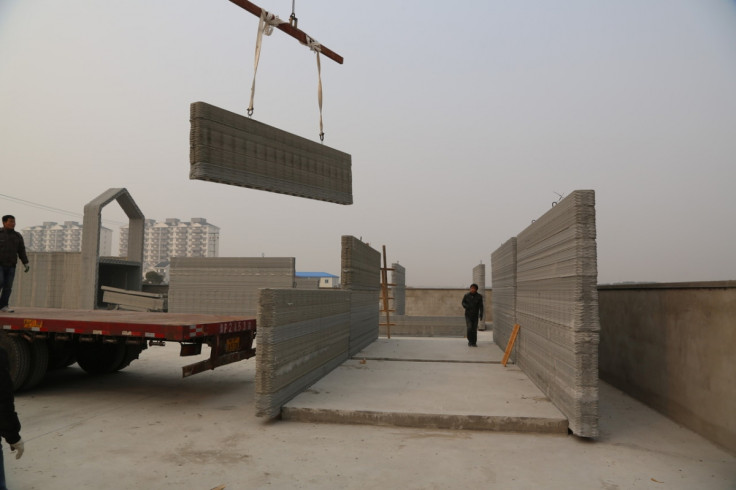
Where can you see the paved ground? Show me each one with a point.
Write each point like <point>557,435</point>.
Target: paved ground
<point>146,427</point>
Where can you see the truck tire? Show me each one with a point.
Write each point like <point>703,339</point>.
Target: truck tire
<point>131,354</point>
<point>100,358</point>
<point>39,350</point>
<point>19,357</point>
<point>61,355</point>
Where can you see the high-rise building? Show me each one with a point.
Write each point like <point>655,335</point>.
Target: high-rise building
<point>174,238</point>
<point>66,237</point>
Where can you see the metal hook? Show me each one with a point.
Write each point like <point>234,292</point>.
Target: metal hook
<point>322,137</point>
<point>250,112</point>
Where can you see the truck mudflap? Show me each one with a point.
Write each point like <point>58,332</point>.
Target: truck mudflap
<point>225,349</point>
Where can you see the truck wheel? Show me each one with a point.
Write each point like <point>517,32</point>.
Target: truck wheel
<point>19,357</point>
<point>131,354</point>
<point>39,350</point>
<point>99,358</point>
<point>61,355</point>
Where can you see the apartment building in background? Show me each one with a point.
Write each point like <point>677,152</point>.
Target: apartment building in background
<point>174,238</point>
<point>64,237</point>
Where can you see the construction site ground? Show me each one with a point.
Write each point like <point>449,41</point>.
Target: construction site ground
<point>146,427</point>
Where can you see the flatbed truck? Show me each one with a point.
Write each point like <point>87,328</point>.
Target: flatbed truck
<point>105,341</point>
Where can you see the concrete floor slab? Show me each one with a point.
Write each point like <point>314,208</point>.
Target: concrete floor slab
<point>397,382</point>
<point>146,427</point>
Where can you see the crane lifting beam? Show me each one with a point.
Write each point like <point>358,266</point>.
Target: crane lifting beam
<point>286,27</point>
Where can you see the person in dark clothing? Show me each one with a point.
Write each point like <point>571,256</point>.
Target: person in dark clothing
<point>9,423</point>
<point>11,248</point>
<point>473,304</point>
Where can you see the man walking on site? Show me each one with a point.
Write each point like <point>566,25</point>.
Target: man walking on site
<point>11,248</point>
<point>9,423</point>
<point>473,304</point>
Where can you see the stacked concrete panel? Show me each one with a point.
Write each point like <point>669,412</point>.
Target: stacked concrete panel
<point>398,279</point>
<point>53,281</point>
<point>361,274</point>
<point>225,285</point>
<point>503,277</point>
<point>557,308</point>
<point>232,149</point>
<point>302,336</point>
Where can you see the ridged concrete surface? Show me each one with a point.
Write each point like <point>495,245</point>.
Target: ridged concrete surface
<point>225,285</point>
<point>503,270</point>
<point>557,308</point>
<point>361,274</point>
<point>53,281</point>
<point>428,383</point>
<point>398,290</point>
<point>232,149</point>
<point>302,335</point>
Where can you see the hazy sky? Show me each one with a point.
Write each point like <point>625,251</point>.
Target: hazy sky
<point>465,120</point>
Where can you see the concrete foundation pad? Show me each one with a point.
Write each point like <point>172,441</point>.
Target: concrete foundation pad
<point>415,391</point>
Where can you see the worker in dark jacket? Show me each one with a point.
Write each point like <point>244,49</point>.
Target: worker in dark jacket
<point>473,304</point>
<point>9,423</point>
<point>11,248</point>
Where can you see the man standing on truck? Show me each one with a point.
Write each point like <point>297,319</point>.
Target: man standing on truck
<point>473,304</point>
<point>11,248</point>
<point>9,423</point>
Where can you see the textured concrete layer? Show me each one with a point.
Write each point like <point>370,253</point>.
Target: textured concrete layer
<point>361,274</point>
<point>302,335</point>
<point>52,282</point>
<point>226,285</point>
<point>90,267</point>
<point>426,326</point>
<point>398,290</point>
<point>557,308</point>
<point>503,270</point>
<point>232,149</point>
<point>428,394</point>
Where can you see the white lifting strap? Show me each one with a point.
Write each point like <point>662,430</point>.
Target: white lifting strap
<point>265,26</point>
<point>317,47</point>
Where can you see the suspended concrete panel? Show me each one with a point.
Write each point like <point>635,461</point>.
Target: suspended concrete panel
<point>557,308</point>
<point>503,277</point>
<point>225,285</point>
<point>232,149</point>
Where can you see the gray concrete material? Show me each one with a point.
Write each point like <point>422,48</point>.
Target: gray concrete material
<point>89,288</point>
<point>673,349</point>
<point>442,302</point>
<point>364,318</point>
<point>398,290</point>
<point>432,350</point>
<point>302,336</point>
<point>146,427</point>
<point>226,285</point>
<point>232,149</point>
<point>361,265</point>
<point>52,282</point>
<point>429,394</point>
<point>557,308</point>
<point>426,326</point>
<point>503,272</point>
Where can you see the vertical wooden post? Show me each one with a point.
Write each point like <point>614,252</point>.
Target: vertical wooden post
<point>510,345</point>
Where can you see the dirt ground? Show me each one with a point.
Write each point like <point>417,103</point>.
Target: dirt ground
<point>146,427</point>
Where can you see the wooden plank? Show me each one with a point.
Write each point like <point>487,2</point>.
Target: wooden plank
<point>510,345</point>
<point>297,34</point>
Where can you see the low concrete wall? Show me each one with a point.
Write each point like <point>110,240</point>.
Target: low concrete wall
<point>672,347</point>
<point>442,302</point>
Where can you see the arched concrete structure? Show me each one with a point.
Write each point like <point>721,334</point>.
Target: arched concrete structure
<point>91,240</point>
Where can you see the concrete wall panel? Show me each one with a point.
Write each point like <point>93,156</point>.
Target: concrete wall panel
<point>503,277</point>
<point>557,308</point>
<point>672,347</point>
<point>361,274</point>
<point>302,336</point>
<point>225,285</point>
<point>398,279</point>
<point>232,149</point>
<point>53,281</point>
